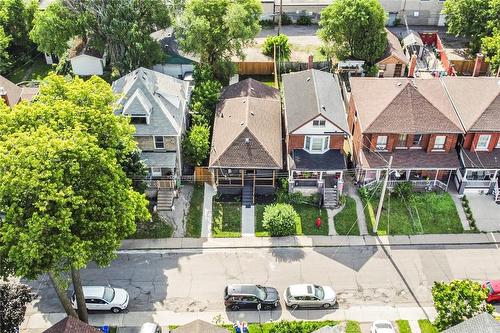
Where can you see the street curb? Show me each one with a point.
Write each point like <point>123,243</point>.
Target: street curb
<point>309,242</point>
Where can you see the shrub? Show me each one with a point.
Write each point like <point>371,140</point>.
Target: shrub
<point>405,191</point>
<point>283,50</point>
<point>196,144</point>
<point>280,219</point>
<point>203,101</point>
<point>267,24</point>
<point>297,326</point>
<point>304,20</point>
<point>285,19</point>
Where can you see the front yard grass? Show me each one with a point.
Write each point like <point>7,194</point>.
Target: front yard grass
<point>426,326</point>
<point>308,215</point>
<point>226,219</point>
<point>259,228</point>
<point>352,327</point>
<point>158,227</point>
<point>346,221</point>
<point>437,214</point>
<point>403,326</point>
<point>304,326</point>
<point>195,212</point>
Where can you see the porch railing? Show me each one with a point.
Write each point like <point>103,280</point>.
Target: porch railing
<point>497,192</point>
<point>165,184</point>
<point>478,183</point>
<point>419,184</point>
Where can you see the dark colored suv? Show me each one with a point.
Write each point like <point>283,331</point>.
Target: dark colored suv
<point>249,296</point>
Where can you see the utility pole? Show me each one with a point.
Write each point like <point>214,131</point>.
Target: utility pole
<point>275,68</point>
<point>382,195</point>
<point>279,17</point>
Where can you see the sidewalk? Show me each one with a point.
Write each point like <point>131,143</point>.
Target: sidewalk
<point>39,322</point>
<point>206,222</point>
<point>310,241</point>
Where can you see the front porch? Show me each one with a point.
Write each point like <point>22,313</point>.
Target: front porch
<point>421,179</point>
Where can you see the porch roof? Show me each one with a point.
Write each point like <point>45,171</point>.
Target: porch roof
<point>160,159</point>
<point>332,159</point>
<point>481,159</point>
<point>410,159</point>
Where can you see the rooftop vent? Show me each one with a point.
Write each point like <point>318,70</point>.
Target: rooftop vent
<point>323,108</point>
<point>308,79</point>
<point>247,140</point>
<point>3,91</point>
<point>253,114</point>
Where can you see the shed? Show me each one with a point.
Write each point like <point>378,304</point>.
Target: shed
<point>412,43</point>
<point>86,60</point>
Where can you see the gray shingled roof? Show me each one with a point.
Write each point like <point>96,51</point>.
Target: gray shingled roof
<point>164,95</point>
<point>482,323</point>
<point>310,93</point>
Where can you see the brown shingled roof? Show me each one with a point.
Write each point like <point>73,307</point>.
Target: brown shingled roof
<point>247,130</point>
<point>15,94</point>
<point>393,48</point>
<point>71,325</point>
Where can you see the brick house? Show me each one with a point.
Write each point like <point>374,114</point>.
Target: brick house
<point>316,132</point>
<point>11,94</point>
<point>412,120</point>
<point>246,142</point>
<point>477,101</point>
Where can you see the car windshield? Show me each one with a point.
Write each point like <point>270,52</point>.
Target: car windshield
<point>490,288</point>
<point>318,292</point>
<point>261,292</point>
<point>109,294</point>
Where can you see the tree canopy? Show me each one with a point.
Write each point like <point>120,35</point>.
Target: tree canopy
<point>13,298</point>
<point>197,145</point>
<point>120,28</point>
<point>283,50</point>
<point>217,30</point>
<point>354,29</point>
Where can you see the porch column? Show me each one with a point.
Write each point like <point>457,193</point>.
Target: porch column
<point>408,172</point>
<point>463,183</point>
<point>274,177</point>
<point>242,177</point>
<point>449,177</point>
<point>321,175</point>
<point>436,178</point>
<point>290,182</point>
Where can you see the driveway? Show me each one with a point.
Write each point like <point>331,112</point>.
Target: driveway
<point>485,211</point>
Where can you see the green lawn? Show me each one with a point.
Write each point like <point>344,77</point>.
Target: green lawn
<point>352,327</point>
<point>300,326</point>
<point>259,229</point>
<point>308,215</point>
<point>437,213</point>
<point>156,228</point>
<point>195,213</point>
<point>35,70</point>
<point>426,326</point>
<point>226,219</point>
<point>346,220</point>
<point>403,326</point>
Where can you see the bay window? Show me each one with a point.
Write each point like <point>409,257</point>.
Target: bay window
<point>316,144</point>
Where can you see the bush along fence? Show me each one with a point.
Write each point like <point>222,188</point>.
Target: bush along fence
<point>468,213</point>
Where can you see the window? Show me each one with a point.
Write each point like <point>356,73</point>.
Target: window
<point>439,142</point>
<point>319,123</point>
<point>316,144</point>
<point>402,140</point>
<point>138,120</point>
<point>381,142</point>
<point>417,140</point>
<point>498,143</point>
<point>159,143</point>
<point>156,172</point>
<point>416,13</point>
<point>483,142</point>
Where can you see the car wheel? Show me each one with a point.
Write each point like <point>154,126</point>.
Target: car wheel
<point>326,305</point>
<point>235,308</point>
<point>267,307</point>
<point>116,310</point>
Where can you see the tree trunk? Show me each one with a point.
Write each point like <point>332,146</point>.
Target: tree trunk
<point>63,298</point>
<point>80,298</point>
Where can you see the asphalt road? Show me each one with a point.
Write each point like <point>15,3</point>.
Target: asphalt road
<point>194,281</point>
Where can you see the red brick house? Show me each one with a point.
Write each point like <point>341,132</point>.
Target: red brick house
<point>412,120</point>
<point>12,94</point>
<point>477,102</point>
<point>316,132</point>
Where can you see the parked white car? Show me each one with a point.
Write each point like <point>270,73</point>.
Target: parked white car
<point>310,296</point>
<point>103,298</point>
<point>382,326</point>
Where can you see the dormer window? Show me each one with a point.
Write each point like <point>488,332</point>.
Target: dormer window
<point>159,142</point>
<point>138,108</point>
<point>319,123</point>
<point>316,144</point>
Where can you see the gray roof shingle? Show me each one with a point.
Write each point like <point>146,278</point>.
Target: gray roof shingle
<point>482,323</point>
<point>71,325</point>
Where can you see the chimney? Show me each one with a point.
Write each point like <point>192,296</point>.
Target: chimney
<point>478,64</point>
<point>413,65</point>
<point>3,95</point>
<point>310,62</point>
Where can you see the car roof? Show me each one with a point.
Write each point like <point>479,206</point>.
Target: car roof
<point>495,284</point>
<point>301,289</point>
<point>93,291</point>
<point>148,328</point>
<point>245,289</point>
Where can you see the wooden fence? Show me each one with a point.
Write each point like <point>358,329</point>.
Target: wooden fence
<point>466,67</point>
<point>203,174</point>
<point>267,67</point>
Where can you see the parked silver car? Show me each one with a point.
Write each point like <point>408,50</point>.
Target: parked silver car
<point>310,296</point>
<point>103,298</point>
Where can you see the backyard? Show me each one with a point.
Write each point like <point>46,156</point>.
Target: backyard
<point>33,70</point>
<point>346,220</point>
<point>195,213</point>
<point>226,219</point>
<point>430,213</point>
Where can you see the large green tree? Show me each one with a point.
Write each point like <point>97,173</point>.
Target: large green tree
<point>354,29</point>
<point>13,300</point>
<point>16,17</point>
<point>120,28</point>
<point>63,187</point>
<point>4,50</point>
<point>217,30</point>
<point>196,144</point>
<point>491,47</point>
<point>457,301</point>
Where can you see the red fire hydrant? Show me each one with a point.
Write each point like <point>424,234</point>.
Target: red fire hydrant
<point>318,222</point>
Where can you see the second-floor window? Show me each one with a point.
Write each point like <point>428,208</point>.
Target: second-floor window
<point>402,140</point>
<point>439,142</point>
<point>381,142</point>
<point>159,142</point>
<point>417,140</point>
<point>316,144</point>
<point>483,142</point>
<point>319,123</point>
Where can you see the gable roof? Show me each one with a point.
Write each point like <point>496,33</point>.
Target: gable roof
<point>199,326</point>
<point>247,129</point>
<point>477,101</point>
<point>164,96</point>
<point>400,105</point>
<point>250,88</point>
<point>393,48</point>
<point>310,93</point>
<point>482,323</point>
<point>14,93</point>
<point>412,38</point>
<point>71,325</point>
<point>79,48</point>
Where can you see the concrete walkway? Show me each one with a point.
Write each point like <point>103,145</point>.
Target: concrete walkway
<point>458,204</point>
<point>485,211</point>
<point>351,191</point>
<point>39,322</point>
<point>248,221</point>
<point>331,224</point>
<point>206,222</point>
<point>415,328</point>
<point>310,241</point>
